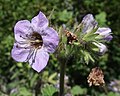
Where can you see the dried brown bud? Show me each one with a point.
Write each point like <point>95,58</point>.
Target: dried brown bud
<point>96,77</point>
<point>70,37</point>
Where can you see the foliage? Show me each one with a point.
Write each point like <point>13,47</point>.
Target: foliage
<point>48,90</point>
<point>77,90</point>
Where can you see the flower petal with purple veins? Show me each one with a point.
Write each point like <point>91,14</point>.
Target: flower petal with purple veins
<point>89,23</point>
<point>102,47</point>
<point>103,31</point>
<point>39,22</point>
<point>50,40</point>
<point>39,60</point>
<point>22,28</point>
<point>108,38</point>
<point>19,54</point>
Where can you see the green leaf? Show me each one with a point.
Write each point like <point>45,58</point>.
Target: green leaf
<point>64,15</point>
<point>101,18</point>
<point>23,91</point>
<point>113,94</point>
<point>33,79</point>
<point>19,64</point>
<point>87,57</point>
<point>51,78</point>
<point>77,90</point>
<point>76,43</point>
<point>90,37</point>
<point>48,90</point>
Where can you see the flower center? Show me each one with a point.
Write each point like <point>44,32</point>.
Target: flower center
<point>36,40</point>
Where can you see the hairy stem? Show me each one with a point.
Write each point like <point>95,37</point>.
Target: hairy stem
<point>62,74</point>
<point>38,87</point>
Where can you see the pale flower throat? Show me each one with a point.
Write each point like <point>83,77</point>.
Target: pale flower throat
<point>33,40</point>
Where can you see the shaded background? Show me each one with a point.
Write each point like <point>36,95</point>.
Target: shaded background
<point>18,79</point>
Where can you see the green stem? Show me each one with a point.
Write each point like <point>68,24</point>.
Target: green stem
<point>38,87</point>
<point>62,74</point>
<point>105,89</point>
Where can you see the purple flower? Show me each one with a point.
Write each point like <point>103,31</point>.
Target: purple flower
<point>34,41</point>
<point>105,32</point>
<point>102,47</point>
<point>89,24</point>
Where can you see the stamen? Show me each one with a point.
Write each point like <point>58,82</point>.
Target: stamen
<point>33,41</point>
<point>36,41</point>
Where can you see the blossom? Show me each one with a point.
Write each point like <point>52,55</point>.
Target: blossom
<point>105,32</point>
<point>90,27</point>
<point>34,41</point>
<point>102,47</point>
<point>89,24</point>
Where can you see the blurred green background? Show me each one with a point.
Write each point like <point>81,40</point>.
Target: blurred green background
<point>19,79</point>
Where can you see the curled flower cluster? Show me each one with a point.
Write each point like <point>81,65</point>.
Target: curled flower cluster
<point>96,77</point>
<point>91,34</point>
<point>34,41</point>
<point>91,28</point>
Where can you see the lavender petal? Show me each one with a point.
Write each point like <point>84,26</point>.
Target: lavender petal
<point>89,23</point>
<point>50,40</point>
<point>39,22</point>
<point>19,54</point>
<point>39,60</point>
<point>102,47</point>
<point>103,31</point>
<point>108,38</point>
<point>22,28</point>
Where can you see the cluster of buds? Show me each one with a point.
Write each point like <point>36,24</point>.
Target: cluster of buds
<point>90,38</point>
